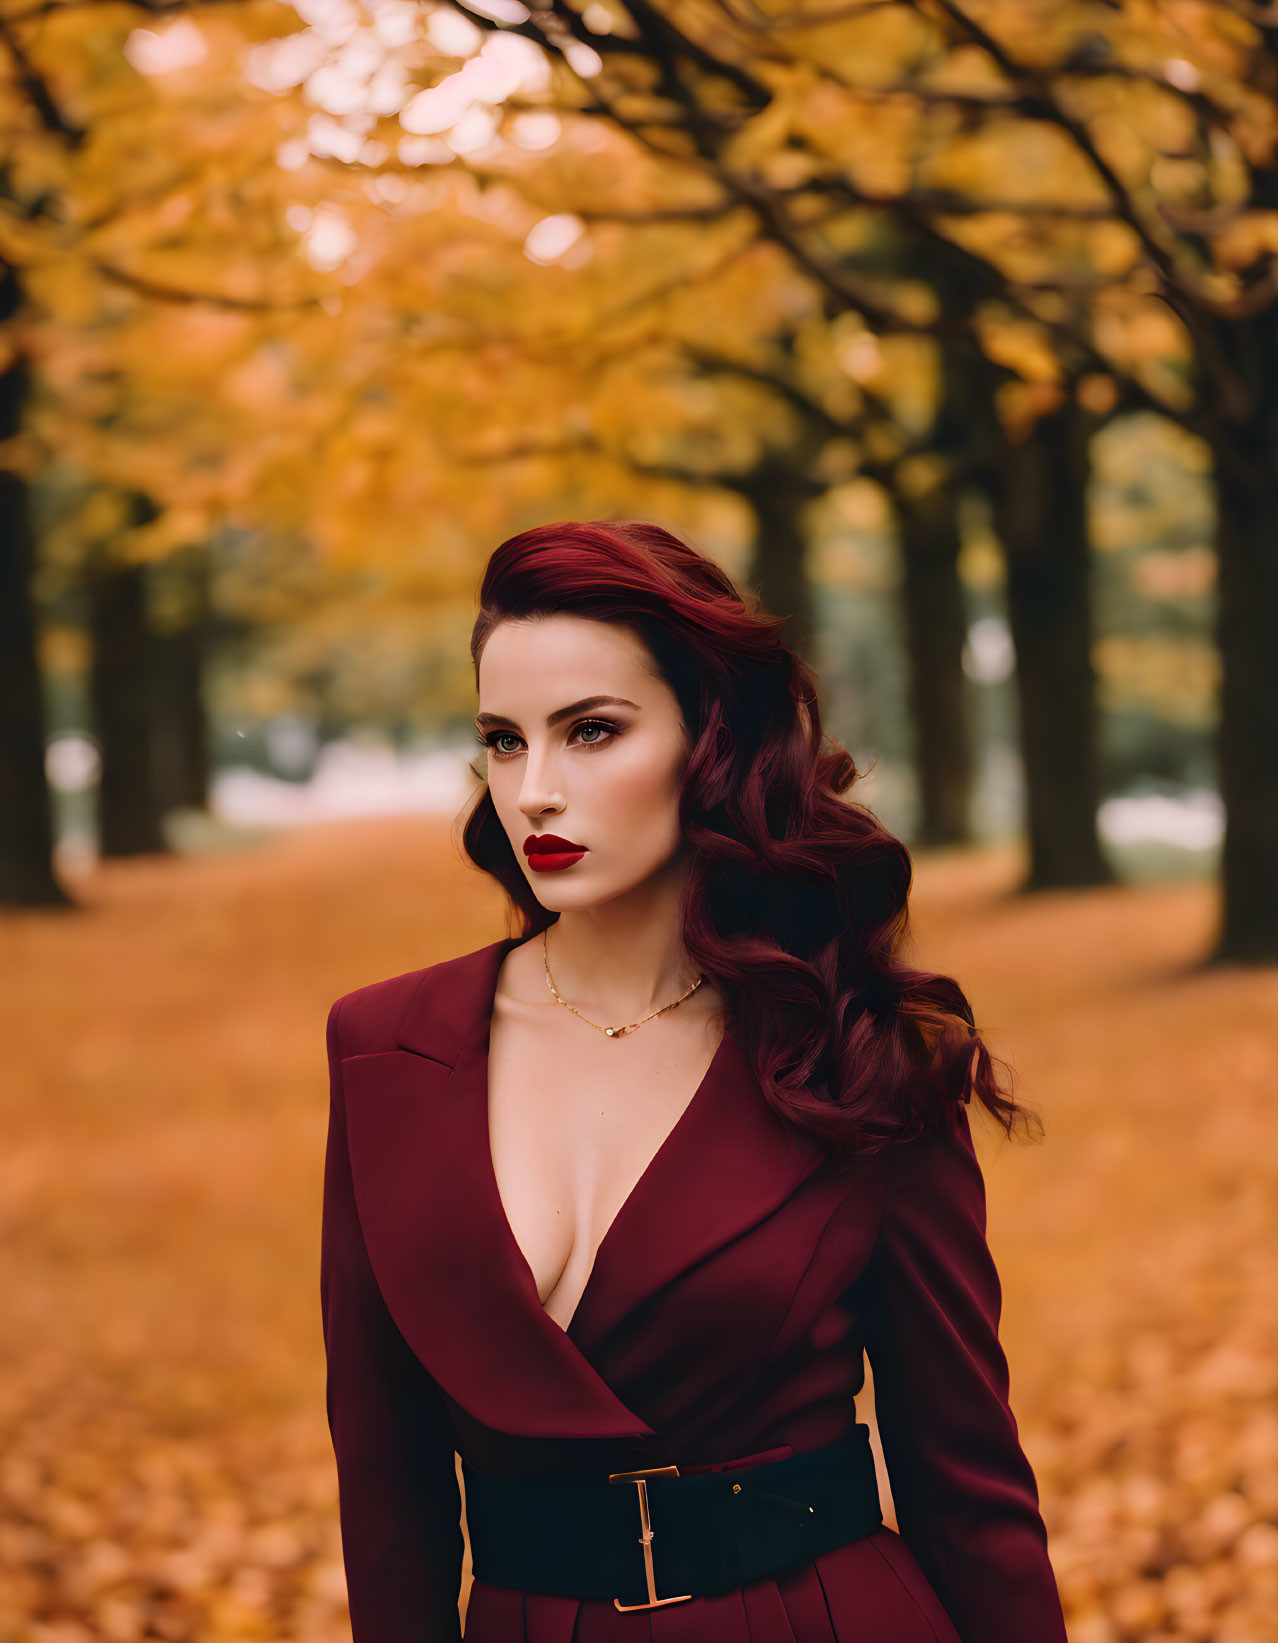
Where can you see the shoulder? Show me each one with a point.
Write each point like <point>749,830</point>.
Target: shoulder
<point>365,1019</point>
<point>934,1183</point>
<point>368,1019</point>
<point>945,1147</point>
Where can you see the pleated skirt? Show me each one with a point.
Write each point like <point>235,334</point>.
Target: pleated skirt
<point>869,1591</point>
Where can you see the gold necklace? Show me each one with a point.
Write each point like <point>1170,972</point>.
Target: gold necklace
<point>611,1032</point>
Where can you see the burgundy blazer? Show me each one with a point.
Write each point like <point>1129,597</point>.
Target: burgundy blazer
<point>725,1321</point>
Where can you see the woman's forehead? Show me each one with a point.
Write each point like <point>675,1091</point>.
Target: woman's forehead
<point>561,653</point>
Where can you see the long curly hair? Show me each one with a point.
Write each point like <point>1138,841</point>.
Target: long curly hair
<point>795,898</point>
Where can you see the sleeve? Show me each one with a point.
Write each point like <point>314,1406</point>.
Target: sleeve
<point>965,1496</point>
<point>399,1502</point>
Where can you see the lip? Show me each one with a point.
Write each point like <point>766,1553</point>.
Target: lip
<point>550,844</point>
<point>554,861</point>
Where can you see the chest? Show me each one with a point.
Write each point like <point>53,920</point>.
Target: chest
<point>575,1122</point>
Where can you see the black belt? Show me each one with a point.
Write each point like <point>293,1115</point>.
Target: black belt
<point>657,1536</point>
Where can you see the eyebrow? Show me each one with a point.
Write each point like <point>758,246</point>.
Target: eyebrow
<point>484,720</point>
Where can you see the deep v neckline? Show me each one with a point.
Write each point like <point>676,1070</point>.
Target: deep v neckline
<point>667,1146</point>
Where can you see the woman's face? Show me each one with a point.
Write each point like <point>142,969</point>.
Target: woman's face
<point>585,742</point>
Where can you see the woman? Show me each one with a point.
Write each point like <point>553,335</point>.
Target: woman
<point>614,1208</point>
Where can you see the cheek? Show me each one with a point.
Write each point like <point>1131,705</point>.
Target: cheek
<point>641,800</point>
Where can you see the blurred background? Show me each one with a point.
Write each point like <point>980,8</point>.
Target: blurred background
<point>951,331</point>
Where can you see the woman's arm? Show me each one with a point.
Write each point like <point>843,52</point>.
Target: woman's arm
<point>399,1503</point>
<point>965,1495</point>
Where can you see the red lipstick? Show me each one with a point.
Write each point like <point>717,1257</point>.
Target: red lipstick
<point>548,853</point>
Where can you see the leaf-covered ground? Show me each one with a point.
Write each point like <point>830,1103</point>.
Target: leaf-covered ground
<point>165,1469</point>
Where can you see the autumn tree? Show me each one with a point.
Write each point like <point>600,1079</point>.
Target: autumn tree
<point>1143,144</point>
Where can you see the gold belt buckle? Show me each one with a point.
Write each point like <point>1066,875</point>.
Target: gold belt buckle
<point>645,1536</point>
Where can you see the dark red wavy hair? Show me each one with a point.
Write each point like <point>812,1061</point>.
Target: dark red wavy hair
<point>795,902</point>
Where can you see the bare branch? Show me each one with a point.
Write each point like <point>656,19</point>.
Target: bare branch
<point>155,8</point>
<point>837,14</point>
<point>38,93</point>
<point>771,23</point>
<point>946,202</point>
<point>1263,16</point>
<point>661,32</point>
<point>587,444</point>
<point>1160,252</point>
<point>811,410</point>
<point>168,293</point>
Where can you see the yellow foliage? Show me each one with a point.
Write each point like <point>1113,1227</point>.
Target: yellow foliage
<point>1162,674</point>
<point>274,290</point>
<point>1022,346</point>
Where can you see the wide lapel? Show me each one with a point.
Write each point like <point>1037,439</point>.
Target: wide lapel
<point>451,1274</point>
<point>728,1164</point>
<point>445,1258</point>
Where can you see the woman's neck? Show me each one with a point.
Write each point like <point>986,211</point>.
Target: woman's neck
<point>620,963</point>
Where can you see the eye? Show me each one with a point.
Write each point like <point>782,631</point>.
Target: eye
<point>596,724</point>
<point>492,738</point>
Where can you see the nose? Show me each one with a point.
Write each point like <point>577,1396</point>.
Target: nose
<point>538,792</point>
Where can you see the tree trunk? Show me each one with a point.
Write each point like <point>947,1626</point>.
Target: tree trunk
<point>1040,515</point>
<point>778,490</point>
<point>933,599</point>
<point>27,876</point>
<point>122,679</point>
<point>1246,478</point>
<point>183,753</point>
<point>934,610</point>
